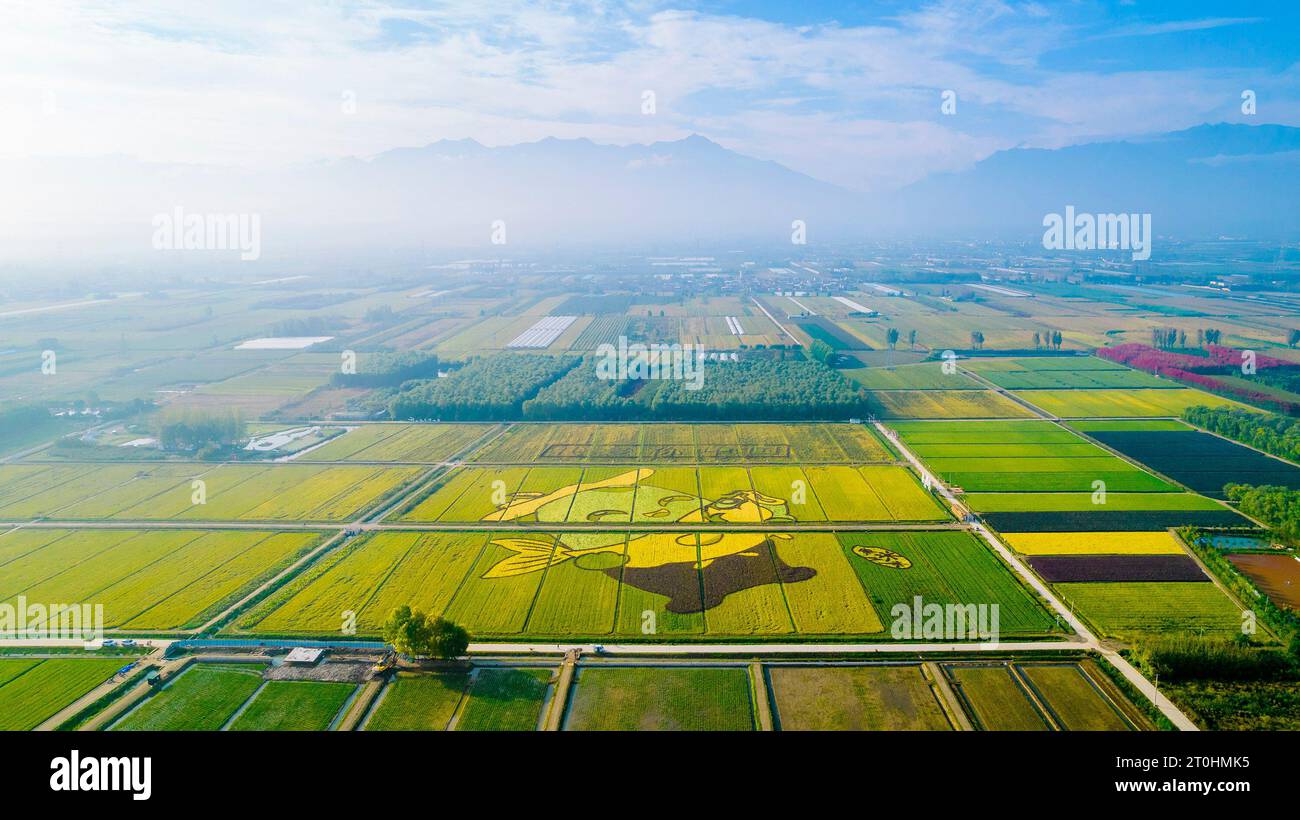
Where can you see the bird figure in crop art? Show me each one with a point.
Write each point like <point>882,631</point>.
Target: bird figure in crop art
<point>666,563</point>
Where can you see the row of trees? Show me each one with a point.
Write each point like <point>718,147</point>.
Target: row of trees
<point>388,369</point>
<point>1270,432</point>
<point>199,430</point>
<point>1278,507</point>
<point>1169,338</point>
<point>490,388</point>
<point>1052,340</point>
<point>892,336</point>
<point>757,388</point>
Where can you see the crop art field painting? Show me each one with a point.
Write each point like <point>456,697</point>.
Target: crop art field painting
<point>445,370</point>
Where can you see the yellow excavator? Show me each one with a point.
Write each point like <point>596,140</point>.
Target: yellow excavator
<point>386,663</point>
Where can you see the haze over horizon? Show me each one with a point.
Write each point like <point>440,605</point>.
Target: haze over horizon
<point>834,113</point>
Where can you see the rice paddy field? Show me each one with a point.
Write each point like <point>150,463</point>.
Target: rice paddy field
<point>293,706</point>
<point>1121,403</point>
<point>203,697</point>
<point>909,696</point>
<point>195,492</point>
<point>687,443</point>
<point>33,690</point>
<point>209,696</point>
<point>1128,611</point>
<point>640,585</point>
<point>401,443</point>
<point>857,698</point>
<point>631,698</point>
<point>414,702</point>
<point>675,494</point>
<point>1028,696</point>
<point>942,568</point>
<point>946,404</point>
<point>144,579</point>
<point>484,699</point>
<point>1021,456</point>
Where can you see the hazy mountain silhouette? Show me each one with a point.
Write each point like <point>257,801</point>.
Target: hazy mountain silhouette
<point>1206,181</point>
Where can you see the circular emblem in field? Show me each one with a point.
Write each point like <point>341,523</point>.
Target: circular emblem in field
<point>883,557</point>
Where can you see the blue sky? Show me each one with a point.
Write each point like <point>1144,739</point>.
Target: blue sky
<point>848,92</point>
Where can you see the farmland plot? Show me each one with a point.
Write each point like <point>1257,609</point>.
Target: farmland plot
<point>660,699</point>
<point>831,602</point>
<point>945,404</point>
<point>342,581</point>
<point>397,443</point>
<point>1133,610</point>
<point>1201,461</point>
<point>31,691</point>
<point>856,698</point>
<point>504,700</point>
<point>202,698</point>
<point>943,568</point>
<point>151,579</point>
<point>228,492</point>
<point>995,698</point>
<point>1085,403</point>
<point>1074,699</point>
<point>1094,543</point>
<point>293,706</point>
<point>418,702</point>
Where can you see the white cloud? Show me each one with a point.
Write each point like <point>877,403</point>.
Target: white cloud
<point>262,84</point>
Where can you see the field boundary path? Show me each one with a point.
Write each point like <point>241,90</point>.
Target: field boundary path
<point>762,701</point>
<point>360,705</point>
<point>560,698</point>
<point>1025,403</point>
<point>1130,673</point>
<point>787,333</point>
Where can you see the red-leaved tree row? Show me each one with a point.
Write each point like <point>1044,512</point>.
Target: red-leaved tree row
<point>1201,371</point>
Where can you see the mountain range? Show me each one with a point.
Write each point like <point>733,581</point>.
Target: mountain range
<point>1203,182</point>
